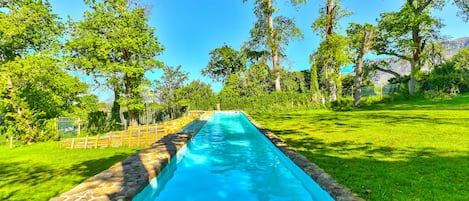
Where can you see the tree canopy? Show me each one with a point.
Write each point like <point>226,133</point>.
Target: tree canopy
<point>273,33</point>
<point>224,61</point>
<point>115,42</point>
<point>34,88</point>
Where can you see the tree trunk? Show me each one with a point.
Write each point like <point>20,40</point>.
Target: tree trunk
<point>359,68</point>
<point>133,115</point>
<point>415,63</point>
<point>333,90</point>
<point>357,95</point>
<point>274,49</point>
<point>115,111</point>
<point>330,13</point>
<point>413,80</point>
<point>315,84</point>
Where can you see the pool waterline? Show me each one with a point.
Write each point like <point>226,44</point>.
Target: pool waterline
<point>230,159</point>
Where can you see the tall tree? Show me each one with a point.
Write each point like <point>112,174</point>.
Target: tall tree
<point>406,33</point>
<point>273,33</point>
<point>332,53</point>
<point>232,88</point>
<point>115,42</point>
<point>256,79</point>
<point>199,95</point>
<point>33,87</point>
<point>224,61</point>
<point>172,80</point>
<point>360,41</point>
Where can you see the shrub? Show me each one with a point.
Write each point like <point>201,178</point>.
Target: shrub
<point>342,104</point>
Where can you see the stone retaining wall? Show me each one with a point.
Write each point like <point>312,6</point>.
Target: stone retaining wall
<point>126,179</point>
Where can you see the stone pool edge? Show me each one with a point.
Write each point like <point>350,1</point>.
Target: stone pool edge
<point>329,184</point>
<point>124,180</point>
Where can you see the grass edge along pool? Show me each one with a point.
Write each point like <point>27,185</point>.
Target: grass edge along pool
<point>158,183</point>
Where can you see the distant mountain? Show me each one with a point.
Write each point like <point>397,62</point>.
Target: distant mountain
<point>402,67</point>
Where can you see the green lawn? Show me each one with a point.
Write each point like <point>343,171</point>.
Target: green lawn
<point>413,150</point>
<point>42,171</point>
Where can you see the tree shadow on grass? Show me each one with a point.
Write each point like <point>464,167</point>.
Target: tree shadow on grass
<point>20,181</point>
<point>391,173</point>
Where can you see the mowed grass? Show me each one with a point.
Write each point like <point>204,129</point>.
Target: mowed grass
<point>43,171</point>
<point>412,150</point>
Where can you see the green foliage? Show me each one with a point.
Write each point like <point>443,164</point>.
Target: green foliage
<point>23,32</point>
<point>332,54</point>
<point>348,82</point>
<point>330,15</point>
<point>115,42</point>
<point>461,59</point>
<point>169,90</point>
<point>33,88</point>
<point>199,96</point>
<point>224,61</point>
<point>342,104</point>
<point>232,88</point>
<point>265,102</point>
<point>97,123</point>
<point>295,81</point>
<point>447,78</point>
<point>256,79</point>
<point>406,33</point>
<point>272,33</point>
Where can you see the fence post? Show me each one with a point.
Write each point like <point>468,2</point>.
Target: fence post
<point>86,141</point>
<point>381,94</point>
<point>109,139</point>
<point>130,136</point>
<point>73,143</point>
<point>57,127</point>
<point>138,137</point>
<point>122,138</point>
<point>97,141</point>
<point>79,126</point>
<point>148,133</point>
<point>11,142</point>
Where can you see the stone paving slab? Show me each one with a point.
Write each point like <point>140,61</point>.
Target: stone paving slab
<point>337,191</point>
<point>126,179</point>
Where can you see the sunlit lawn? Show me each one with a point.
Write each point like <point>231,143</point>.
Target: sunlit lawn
<point>42,171</point>
<point>413,150</point>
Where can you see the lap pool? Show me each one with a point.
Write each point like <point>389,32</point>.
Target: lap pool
<point>229,159</point>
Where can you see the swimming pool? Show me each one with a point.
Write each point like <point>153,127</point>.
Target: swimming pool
<point>229,159</point>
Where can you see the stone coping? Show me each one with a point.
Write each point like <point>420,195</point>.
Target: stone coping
<point>126,179</point>
<point>337,191</point>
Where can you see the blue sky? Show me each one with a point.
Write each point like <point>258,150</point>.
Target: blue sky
<point>190,29</point>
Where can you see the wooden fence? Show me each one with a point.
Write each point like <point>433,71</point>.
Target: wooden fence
<point>141,136</point>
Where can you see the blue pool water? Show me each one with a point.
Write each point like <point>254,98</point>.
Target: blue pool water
<point>229,159</point>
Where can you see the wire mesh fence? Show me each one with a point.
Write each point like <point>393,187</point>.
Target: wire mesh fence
<point>374,91</point>
<point>68,127</point>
